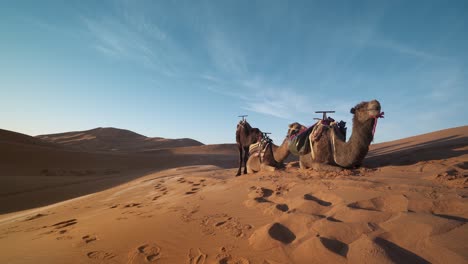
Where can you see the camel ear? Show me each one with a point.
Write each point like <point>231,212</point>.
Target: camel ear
<point>352,110</point>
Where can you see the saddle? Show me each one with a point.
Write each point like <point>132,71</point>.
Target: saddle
<point>258,149</point>
<point>300,144</point>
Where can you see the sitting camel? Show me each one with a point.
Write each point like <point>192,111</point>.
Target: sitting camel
<point>245,136</point>
<point>327,144</point>
<point>266,156</point>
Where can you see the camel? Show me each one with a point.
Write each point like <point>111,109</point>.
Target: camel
<point>268,157</point>
<point>245,136</point>
<point>328,149</point>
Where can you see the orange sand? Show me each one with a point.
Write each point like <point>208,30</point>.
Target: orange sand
<point>184,205</point>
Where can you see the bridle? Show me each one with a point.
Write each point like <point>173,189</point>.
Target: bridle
<point>381,115</point>
<point>376,117</point>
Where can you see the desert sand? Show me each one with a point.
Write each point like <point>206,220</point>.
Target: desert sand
<point>407,204</point>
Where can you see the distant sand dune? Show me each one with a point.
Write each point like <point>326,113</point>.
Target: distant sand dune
<point>115,140</point>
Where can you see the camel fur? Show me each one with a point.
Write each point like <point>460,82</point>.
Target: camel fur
<point>245,136</point>
<point>272,159</point>
<point>331,152</point>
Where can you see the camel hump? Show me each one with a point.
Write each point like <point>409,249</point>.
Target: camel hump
<point>245,124</point>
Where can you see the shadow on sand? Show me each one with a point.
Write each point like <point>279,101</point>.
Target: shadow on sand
<point>439,149</point>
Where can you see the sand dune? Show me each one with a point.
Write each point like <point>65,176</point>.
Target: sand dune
<point>114,139</point>
<point>35,173</point>
<point>15,138</point>
<point>407,205</point>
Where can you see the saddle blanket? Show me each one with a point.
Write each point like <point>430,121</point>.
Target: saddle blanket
<point>300,144</point>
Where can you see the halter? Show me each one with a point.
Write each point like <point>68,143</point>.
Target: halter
<point>381,115</point>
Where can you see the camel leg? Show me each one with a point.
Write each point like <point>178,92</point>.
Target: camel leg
<point>253,164</point>
<point>249,165</point>
<point>301,165</point>
<point>280,165</point>
<point>305,161</point>
<point>246,157</point>
<point>265,167</point>
<point>240,161</point>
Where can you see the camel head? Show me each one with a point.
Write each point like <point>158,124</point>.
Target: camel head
<point>366,110</point>
<point>256,135</point>
<point>295,128</point>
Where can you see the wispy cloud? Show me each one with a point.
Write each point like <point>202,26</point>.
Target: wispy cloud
<point>404,49</point>
<point>261,97</point>
<point>368,35</point>
<point>284,103</point>
<point>134,38</point>
<point>225,55</point>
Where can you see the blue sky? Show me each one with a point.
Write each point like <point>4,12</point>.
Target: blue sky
<point>189,68</point>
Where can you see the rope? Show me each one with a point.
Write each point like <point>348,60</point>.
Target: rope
<point>381,115</point>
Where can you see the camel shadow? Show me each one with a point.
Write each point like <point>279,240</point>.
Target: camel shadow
<point>439,149</point>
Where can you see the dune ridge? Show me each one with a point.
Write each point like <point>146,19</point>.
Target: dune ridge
<point>115,140</point>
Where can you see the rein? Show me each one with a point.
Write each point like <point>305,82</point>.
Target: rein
<point>381,115</point>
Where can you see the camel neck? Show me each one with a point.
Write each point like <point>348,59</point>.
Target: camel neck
<point>281,152</point>
<point>348,154</point>
<point>362,132</point>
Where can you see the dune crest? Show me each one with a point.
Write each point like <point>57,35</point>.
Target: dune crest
<point>115,140</point>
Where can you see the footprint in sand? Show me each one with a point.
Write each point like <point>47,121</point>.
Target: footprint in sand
<point>389,203</point>
<point>262,200</point>
<point>223,222</point>
<point>64,238</point>
<point>100,256</point>
<point>259,194</point>
<point>181,180</point>
<point>231,260</point>
<point>145,253</point>
<point>281,233</point>
<point>138,205</point>
<point>264,192</point>
<point>310,197</point>
<point>64,224</point>
<point>88,239</point>
<point>36,216</point>
<point>196,257</point>
<point>224,257</point>
<point>282,207</point>
<point>335,246</point>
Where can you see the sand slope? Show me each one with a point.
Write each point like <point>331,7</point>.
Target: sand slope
<point>114,139</point>
<point>35,173</point>
<point>403,211</point>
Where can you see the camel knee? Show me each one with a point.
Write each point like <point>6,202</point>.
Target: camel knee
<point>267,168</point>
